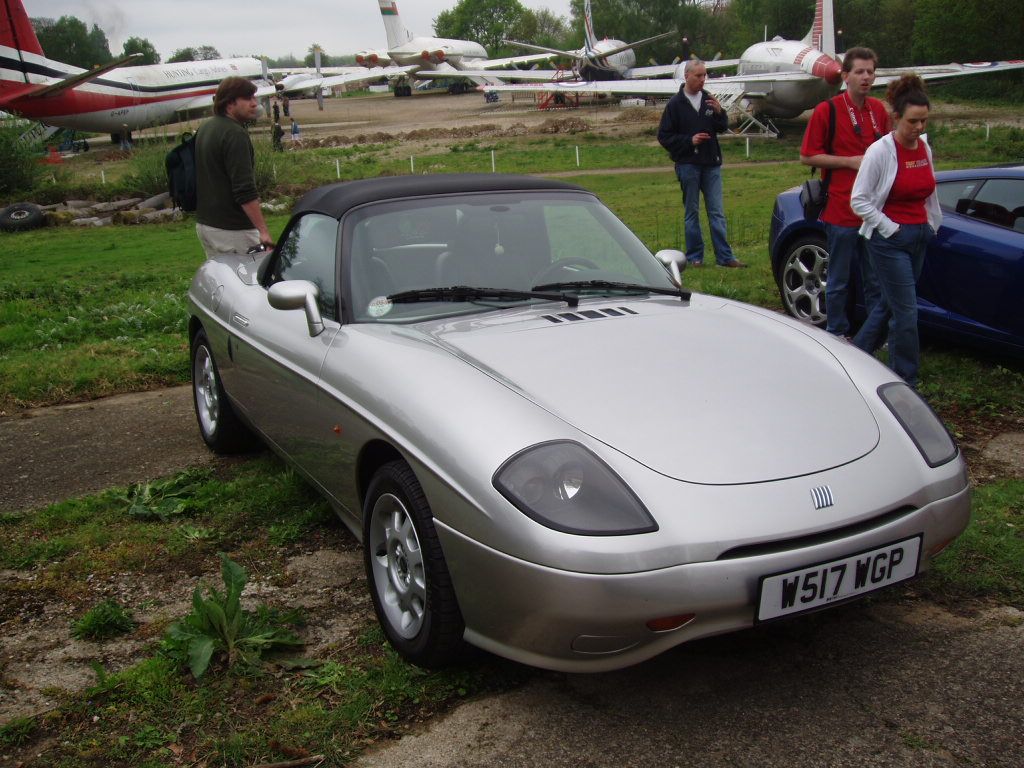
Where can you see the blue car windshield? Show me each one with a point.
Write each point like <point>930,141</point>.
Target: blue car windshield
<point>509,242</point>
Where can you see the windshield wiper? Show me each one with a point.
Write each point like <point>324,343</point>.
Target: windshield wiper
<point>472,293</point>
<point>613,286</point>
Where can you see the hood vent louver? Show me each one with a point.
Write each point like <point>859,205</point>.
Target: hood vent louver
<point>589,314</point>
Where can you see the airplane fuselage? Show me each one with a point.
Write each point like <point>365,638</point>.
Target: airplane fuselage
<point>133,96</point>
<point>788,98</point>
<point>430,51</point>
<point>599,67</point>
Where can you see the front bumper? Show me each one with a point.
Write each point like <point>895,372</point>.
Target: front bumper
<point>582,622</point>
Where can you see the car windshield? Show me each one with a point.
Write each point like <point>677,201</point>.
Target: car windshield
<point>506,243</point>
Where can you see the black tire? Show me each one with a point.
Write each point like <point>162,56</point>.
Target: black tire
<point>219,425</point>
<point>409,582</point>
<point>802,274</point>
<point>20,217</point>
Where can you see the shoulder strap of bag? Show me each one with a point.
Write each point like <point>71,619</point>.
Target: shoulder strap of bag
<point>826,177</point>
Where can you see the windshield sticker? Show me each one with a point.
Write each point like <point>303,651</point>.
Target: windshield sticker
<point>379,306</point>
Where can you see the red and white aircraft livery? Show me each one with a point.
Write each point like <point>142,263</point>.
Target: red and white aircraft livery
<point>776,78</point>
<point>106,98</point>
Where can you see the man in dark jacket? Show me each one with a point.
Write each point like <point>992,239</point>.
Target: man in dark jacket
<point>227,203</point>
<point>688,130</point>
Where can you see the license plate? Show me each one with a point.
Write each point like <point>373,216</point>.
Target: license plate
<point>806,589</point>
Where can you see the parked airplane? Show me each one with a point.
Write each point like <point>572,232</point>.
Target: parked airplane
<point>600,59</point>
<point>436,57</point>
<point>109,98</point>
<point>776,78</point>
<point>420,58</point>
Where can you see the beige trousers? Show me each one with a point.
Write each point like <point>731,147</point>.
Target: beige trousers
<point>217,241</point>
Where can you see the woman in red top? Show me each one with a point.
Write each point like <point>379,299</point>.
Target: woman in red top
<point>894,194</point>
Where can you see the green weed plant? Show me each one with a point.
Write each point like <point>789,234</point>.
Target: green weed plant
<point>219,625</point>
<point>103,621</point>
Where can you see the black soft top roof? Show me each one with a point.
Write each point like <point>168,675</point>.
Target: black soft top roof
<point>336,199</point>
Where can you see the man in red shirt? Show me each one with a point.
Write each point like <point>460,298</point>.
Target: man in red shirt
<point>859,121</point>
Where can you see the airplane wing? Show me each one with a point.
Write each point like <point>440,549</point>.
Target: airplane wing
<point>205,101</point>
<point>312,70</point>
<point>630,46</point>
<point>544,49</point>
<point>728,91</point>
<point>511,61</point>
<point>499,76</point>
<point>721,63</point>
<point>482,77</point>
<point>720,87</point>
<point>76,80</point>
<point>941,72</point>
<point>364,74</point>
<point>657,70</point>
<point>611,87</point>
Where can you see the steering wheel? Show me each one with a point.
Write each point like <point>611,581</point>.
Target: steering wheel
<point>545,275</point>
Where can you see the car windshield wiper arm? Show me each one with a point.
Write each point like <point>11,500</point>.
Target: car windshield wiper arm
<point>472,293</point>
<point>611,285</point>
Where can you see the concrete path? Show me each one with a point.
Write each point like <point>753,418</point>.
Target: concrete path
<point>885,684</point>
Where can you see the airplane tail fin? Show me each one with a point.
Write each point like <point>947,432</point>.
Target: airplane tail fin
<point>16,30</point>
<point>393,27</point>
<point>822,34</point>
<point>590,40</point>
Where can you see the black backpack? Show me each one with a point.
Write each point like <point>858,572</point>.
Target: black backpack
<point>181,173</point>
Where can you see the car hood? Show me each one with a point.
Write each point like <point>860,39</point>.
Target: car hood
<point>711,393</point>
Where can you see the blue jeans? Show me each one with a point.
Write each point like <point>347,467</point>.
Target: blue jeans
<point>696,180</point>
<point>897,262</point>
<point>846,252</point>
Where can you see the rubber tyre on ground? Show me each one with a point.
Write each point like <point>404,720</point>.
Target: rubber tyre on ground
<point>802,275</point>
<point>219,425</point>
<point>409,582</point>
<point>20,217</point>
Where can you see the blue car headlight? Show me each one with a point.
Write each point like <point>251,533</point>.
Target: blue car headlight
<point>564,486</point>
<point>915,415</point>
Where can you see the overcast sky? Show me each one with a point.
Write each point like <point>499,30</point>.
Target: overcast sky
<point>245,27</point>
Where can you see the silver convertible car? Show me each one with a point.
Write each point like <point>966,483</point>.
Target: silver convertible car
<point>547,447</point>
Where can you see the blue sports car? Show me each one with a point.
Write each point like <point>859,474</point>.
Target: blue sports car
<point>972,287</point>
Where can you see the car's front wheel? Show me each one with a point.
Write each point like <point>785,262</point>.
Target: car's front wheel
<point>219,425</point>
<point>409,581</point>
<point>802,276</point>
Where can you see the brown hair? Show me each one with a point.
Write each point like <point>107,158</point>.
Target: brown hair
<point>231,88</point>
<point>865,54</point>
<point>907,91</point>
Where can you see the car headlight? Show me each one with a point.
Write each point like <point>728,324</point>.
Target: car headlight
<point>920,422</point>
<point>564,486</point>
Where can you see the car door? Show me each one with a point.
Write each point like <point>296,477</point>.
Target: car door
<point>277,362</point>
<point>975,266</point>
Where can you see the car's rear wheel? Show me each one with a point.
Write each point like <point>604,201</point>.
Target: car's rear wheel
<point>802,276</point>
<point>219,425</point>
<point>409,581</point>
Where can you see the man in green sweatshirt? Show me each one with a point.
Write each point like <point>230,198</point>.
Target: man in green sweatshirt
<point>228,205</point>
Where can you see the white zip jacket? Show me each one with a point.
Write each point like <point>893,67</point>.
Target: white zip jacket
<point>874,182</point>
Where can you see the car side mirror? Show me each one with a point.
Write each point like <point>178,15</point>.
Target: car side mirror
<point>674,261</point>
<point>298,294</point>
